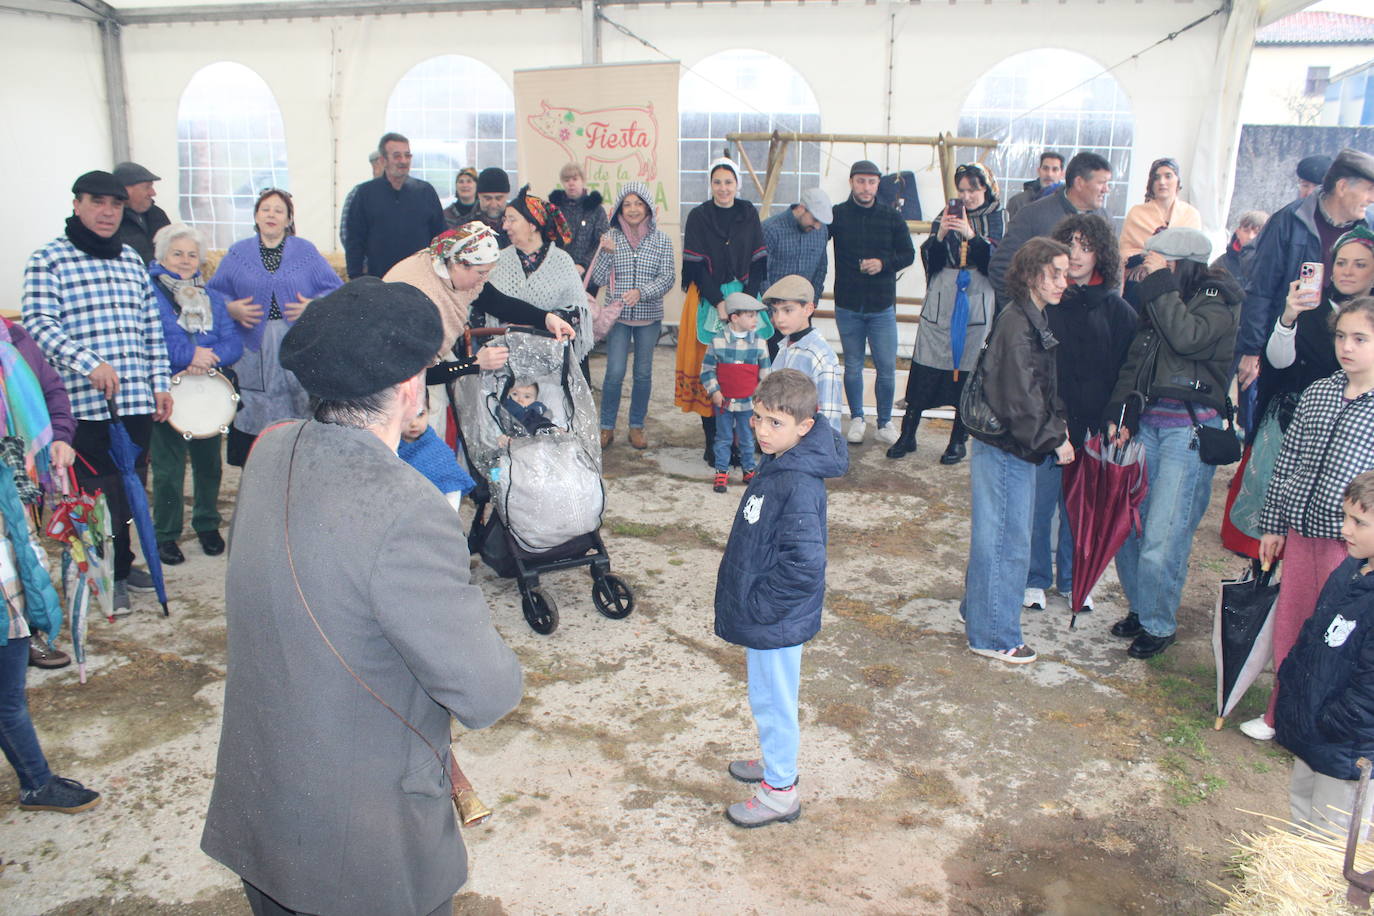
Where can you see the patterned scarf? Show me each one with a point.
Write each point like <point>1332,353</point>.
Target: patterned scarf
<point>547,219</point>
<point>190,301</point>
<point>23,409</point>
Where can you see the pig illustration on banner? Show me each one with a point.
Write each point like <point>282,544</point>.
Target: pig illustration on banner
<point>607,135</point>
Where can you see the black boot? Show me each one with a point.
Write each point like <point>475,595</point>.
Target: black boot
<point>708,429</point>
<point>906,442</point>
<point>955,451</point>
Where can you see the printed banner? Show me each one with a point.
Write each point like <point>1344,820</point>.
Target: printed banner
<point>618,121</point>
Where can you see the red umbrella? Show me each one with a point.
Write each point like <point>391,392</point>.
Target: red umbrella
<point>1103,490</point>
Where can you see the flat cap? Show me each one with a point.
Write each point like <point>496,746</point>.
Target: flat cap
<point>1354,162</point>
<point>98,182</point>
<point>1181,243</point>
<point>1313,168</point>
<point>791,288</point>
<point>741,302</point>
<point>362,338</point>
<point>493,181</point>
<point>817,204</point>
<point>127,173</point>
<point>864,167</point>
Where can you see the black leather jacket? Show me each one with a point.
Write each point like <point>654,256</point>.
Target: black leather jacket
<point>1021,383</point>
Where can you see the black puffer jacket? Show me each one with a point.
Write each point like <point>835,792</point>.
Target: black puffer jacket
<point>1181,350</point>
<point>1021,383</point>
<point>586,219</point>
<point>1094,327</point>
<point>1325,710</point>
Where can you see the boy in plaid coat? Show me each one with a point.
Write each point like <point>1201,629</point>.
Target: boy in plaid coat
<point>734,364</point>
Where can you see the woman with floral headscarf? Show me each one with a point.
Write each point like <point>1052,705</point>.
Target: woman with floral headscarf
<point>1162,209</point>
<point>534,268</point>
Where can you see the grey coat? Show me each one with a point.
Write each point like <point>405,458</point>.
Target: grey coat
<point>323,799</point>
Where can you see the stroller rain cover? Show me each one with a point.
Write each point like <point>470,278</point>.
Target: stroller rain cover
<point>547,485</point>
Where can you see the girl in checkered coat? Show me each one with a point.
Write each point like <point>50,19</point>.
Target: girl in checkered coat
<point>1329,443</point>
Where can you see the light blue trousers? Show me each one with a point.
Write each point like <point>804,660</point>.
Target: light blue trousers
<point>774,680</point>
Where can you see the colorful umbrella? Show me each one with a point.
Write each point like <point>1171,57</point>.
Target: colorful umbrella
<point>81,522</point>
<point>1242,634</point>
<point>124,453</point>
<point>1103,490</point>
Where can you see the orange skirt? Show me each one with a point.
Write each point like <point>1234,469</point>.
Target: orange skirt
<point>687,391</point>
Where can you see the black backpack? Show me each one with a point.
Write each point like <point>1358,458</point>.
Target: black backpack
<point>898,191</point>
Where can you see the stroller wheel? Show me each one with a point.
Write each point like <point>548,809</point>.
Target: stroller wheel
<point>540,612</point>
<point>612,596</point>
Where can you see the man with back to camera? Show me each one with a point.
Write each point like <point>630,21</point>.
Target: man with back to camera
<point>89,304</point>
<point>348,574</point>
<point>1086,182</point>
<point>1304,230</point>
<point>1049,173</point>
<point>142,218</point>
<point>872,244</point>
<point>378,165</point>
<point>391,217</point>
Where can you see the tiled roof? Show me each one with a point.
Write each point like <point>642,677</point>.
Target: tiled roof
<point>1315,28</point>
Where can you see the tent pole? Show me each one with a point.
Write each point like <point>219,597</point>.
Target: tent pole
<point>112,50</point>
<point>591,33</point>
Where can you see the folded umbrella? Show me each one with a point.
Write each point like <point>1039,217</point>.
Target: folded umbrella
<point>81,523</point>
<point>1242,634</point>
<point>958,322</point>
<point>124,453</point>
<point>1103,490</point>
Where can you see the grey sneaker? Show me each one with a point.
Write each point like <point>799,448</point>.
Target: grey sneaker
<point>140,580</point>
<point>747,770</point>
<point>121,599</point>
<point>767,806</point>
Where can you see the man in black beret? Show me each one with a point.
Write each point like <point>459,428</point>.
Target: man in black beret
<point>1311,170</point>
<point>91,308</point>
<point>348,576</point>
<point>493,190</point>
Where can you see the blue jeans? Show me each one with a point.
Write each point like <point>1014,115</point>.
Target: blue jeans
<point>1049,500</point>
<point>1153,566</point>
<point>774,680</point>
<point>999,547</point>
<point>879,331</point>
<point>729,424</point>
<point>618,343</point>
<point>17,737</point>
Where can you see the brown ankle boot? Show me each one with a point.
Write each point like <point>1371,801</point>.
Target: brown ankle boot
<point>637,438</point>
<point>607,437</point>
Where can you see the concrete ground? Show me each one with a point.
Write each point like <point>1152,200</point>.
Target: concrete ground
<point>933,781</point>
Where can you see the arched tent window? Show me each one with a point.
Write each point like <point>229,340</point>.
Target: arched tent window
<point>1026,103</point>
<point>456,112</point>
<point>745,91</point>
<point>230,145</point>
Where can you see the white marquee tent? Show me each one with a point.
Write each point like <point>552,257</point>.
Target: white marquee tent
<point>86,84</point>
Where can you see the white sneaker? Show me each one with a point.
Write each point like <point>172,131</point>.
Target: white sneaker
<point>1087,605</point>
<point>1034,598</point>
<point>887,434</point>
<point>1258,729</point>
<point>856,431</point>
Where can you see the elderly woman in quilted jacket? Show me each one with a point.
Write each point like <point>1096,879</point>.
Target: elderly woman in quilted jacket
<point>635,263</point>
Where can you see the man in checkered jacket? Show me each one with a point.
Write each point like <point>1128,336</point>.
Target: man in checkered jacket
<point>90,306</point>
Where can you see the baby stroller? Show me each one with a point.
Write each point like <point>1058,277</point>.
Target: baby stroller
<point>543,487</point>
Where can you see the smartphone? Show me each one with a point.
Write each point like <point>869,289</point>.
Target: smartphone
<point>956,209</point>
<point>1310,276</point>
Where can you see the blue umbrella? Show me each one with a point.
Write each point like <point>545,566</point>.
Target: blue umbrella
<point>124,454</point>
<point>958,323</point>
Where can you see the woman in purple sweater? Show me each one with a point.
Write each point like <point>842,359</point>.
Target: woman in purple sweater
<point>269,279</point>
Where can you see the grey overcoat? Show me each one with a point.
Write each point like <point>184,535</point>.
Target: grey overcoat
<point>323,799</point>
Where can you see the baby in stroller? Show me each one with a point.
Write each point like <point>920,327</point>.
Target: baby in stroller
<point>522,404</point>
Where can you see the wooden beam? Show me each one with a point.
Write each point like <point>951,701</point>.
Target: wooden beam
<point>864,138</point>
<point>744,156</point>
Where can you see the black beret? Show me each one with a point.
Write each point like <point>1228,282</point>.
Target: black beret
<point>362,338</point>
<point>492,181</point>
<point>99,182</point>
<point>1312,169</point>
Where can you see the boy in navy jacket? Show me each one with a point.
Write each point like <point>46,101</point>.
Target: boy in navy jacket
<point>1325,710</point>
<point>772,581</point>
